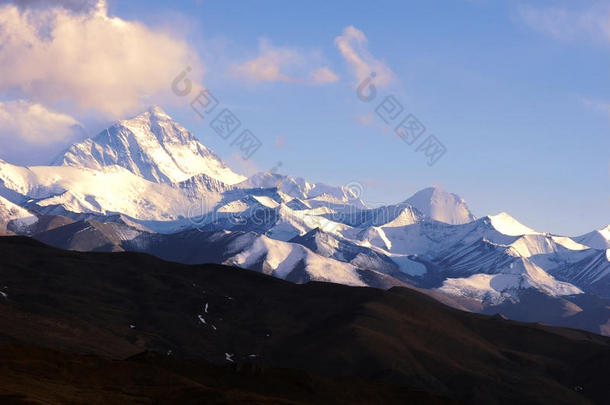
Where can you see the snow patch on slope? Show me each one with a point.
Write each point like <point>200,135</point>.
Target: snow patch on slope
<point>112,189</point>
<point>494,289</point>
<point>280,259</point>
<point>14,217</point>
<point>539,244</point>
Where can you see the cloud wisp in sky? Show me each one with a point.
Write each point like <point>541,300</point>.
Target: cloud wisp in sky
<point>353,45</point>
<point>597,105</point>
<point>283,64</point>
<point>269,65</point>
<point>324,75</point>
<point>568,24</point>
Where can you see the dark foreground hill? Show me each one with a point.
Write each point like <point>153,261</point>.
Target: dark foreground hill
<point>32,375</point>
<point>130,328</point>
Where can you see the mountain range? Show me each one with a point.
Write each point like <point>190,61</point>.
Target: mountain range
<point>147,184</point>
<point>129,328</point>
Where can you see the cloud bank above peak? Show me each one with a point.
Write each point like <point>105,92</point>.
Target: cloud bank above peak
<point>74,52</point>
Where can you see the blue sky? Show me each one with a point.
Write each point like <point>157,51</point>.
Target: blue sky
<point>517,91</point>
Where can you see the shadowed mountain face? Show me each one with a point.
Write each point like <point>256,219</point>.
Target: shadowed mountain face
<point>117,305</point>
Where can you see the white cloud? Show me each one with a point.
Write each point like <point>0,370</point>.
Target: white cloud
<point>324,75</point>
<point>283,64</point>
<point>35,124</point>
<point>87,59</point>
<point>592,23</point>
<point>268,65</point>
<point>353,46</point>
<point>597,105</point>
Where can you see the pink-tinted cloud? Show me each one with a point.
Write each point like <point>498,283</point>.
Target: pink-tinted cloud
<point>283,64</point>
<point>93,61</point>
<point>353,45</point>
<point>33,123</point>
<point>324,75</point>
<point>268,65</point>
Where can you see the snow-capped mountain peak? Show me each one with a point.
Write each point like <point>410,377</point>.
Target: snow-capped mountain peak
<point>157,111</point>
<point>153,146</point>
<point>508,225</point>
<point>442,206</point>
<point>598,239</point>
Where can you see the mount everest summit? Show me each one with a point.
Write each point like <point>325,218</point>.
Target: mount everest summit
<point>147,184</point>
